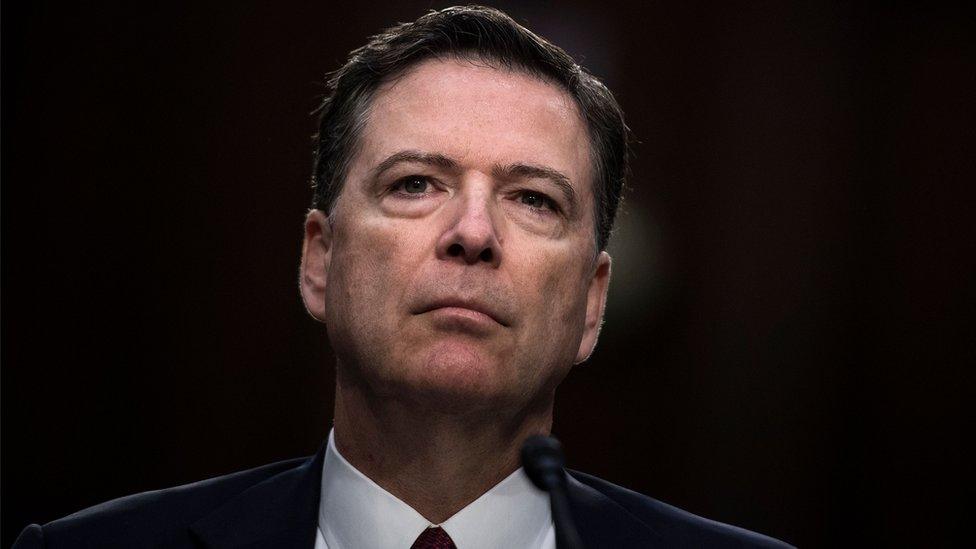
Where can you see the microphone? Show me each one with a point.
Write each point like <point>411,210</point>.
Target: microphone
<point>543,461</point>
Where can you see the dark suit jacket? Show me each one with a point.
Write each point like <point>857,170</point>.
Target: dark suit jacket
<point>277,506</point>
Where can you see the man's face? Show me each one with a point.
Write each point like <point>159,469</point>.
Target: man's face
<point>459,266</point>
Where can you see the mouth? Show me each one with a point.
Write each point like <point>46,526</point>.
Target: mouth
<point>470,309</point>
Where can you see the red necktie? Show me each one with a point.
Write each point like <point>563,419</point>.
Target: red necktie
<point>433,538</point>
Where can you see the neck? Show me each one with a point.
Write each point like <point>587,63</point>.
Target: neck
<point>437,463</point>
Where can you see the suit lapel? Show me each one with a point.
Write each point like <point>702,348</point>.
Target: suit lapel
<point>280,512</point>
<point>602,522</point>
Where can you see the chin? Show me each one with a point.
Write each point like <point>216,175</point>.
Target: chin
<point>458,378</point>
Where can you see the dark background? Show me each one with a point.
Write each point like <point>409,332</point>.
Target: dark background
<point>789,342</point>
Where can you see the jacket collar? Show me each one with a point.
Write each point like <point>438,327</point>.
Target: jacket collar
<point>602,522</point>
<point>280,512</point>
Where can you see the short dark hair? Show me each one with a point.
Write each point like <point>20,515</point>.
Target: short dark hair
<point>486,34</point>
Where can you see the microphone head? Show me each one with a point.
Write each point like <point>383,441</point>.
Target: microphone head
<point>543,461</point>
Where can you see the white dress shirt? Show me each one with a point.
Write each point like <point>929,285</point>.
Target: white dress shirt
<point>355,513</point>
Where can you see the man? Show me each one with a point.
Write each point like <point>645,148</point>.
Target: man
<point>467,176</point>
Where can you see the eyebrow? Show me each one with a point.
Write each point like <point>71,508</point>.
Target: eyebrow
<point>511,171</point>
<point>417,157</point>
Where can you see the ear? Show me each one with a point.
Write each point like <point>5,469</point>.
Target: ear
<point>316,256</point>
<point>596,301</point>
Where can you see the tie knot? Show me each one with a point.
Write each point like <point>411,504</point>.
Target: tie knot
<point>433,538</point>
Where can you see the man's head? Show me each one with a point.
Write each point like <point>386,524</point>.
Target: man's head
<point>487,36</point>
<point>451,253</point>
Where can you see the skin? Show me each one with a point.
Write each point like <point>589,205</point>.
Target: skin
<point>458,279</point>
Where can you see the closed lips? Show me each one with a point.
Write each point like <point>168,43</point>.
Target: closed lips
<point>464,304</point>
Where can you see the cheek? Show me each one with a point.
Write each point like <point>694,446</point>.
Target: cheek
<point>365,286</point>
<point>370,269</point>
<point>558,295</point>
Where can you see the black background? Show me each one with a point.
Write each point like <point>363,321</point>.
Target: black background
<point>789,341</point>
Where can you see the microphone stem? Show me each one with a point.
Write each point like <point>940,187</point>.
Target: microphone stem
<point>566,535</point>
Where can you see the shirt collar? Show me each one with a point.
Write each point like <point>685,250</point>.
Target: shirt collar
<point>356,512</point>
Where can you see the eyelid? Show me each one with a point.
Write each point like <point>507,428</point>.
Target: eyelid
<point>552,203</point>
<point>400,181</point>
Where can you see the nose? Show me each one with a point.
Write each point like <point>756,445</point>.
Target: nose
<point>472,236</point>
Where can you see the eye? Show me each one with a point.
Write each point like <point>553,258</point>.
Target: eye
<point>412,184</point>
<point>538,201</point>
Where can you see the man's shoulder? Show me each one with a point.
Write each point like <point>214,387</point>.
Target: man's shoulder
<point>640,521</point>
<point>155,518</point>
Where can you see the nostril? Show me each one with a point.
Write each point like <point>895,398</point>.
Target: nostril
<point>485,255</point>
<point>455,250</point>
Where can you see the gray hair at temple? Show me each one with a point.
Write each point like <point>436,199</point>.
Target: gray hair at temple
<point>469,32</point>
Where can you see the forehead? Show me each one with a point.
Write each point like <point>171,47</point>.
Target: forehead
<point>480,115</point>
